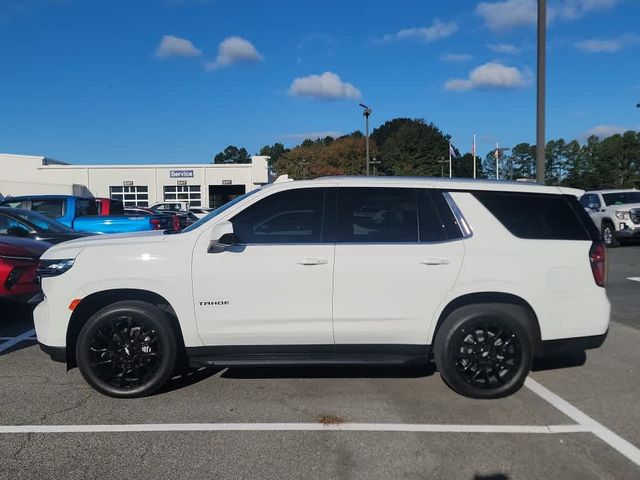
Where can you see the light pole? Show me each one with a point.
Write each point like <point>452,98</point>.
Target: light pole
<point>304,168</point>
<point>366,112</point>
<point>542,72</point>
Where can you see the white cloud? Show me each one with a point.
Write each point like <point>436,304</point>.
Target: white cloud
<point>171,46</point>
<point>604,45</point>
<point>310,135</point>
<point>327,86</point>
<point>436,31</point>
<point>509,14</point>
<point>490,75</point>
<point>233,50</point>
<point>604,131</point>
<point>455,57</point>
<point>505,48</point>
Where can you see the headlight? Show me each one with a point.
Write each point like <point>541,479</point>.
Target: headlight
<point>622,215</point>
<point>53,268</point>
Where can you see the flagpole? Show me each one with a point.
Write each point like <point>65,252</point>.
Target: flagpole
<point>450,169</point>
<point>474,155</point>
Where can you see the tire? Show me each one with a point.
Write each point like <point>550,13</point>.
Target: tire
<point>475,367</point>
<point>609,235</point>
<point>127,349</point>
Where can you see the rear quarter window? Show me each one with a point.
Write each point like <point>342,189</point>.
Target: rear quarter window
<point>537,216</point>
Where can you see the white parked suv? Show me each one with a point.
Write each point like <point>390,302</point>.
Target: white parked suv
<point>615,212</point>
<point>479,276</point>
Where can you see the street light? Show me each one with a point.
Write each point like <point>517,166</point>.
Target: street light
<point>366,113</point>
<point>542,67</point>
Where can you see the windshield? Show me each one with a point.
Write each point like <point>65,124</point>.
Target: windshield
<point>219,210</point>
<point>621,198</point>
<point>43,223</point>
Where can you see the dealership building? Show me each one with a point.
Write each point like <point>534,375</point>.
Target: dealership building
<point>202,185</point>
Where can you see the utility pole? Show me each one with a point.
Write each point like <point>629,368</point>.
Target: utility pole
<point>366,113</point>
<point>542,73</point>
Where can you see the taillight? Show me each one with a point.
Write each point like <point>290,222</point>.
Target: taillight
<point>156,223</point>
<point>175,220</point>
<point>598,259</point>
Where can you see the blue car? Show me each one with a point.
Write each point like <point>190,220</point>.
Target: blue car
<point>81,214</point>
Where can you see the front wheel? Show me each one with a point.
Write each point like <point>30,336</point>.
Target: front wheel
<point>609,235</point>
<point>484,350</point>
<point>127,349</point>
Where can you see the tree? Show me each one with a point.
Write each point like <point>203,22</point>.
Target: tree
<point>342,156</point>
<point>410,147</point>
<point>232,154</point>
<point>274,152</point>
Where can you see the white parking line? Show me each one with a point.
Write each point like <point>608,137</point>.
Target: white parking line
<point>26,336</point>
<point>634,279</point>
<point>284,427</point>
<point>612,439</point>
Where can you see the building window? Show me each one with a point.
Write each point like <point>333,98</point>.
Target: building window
<point>131,196</point>
<point>183,193</point>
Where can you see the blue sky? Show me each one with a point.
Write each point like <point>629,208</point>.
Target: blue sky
<point>149,81</point>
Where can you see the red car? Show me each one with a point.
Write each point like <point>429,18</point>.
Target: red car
<point>18,263</point>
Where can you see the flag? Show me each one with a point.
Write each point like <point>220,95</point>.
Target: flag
<point>453,151</point>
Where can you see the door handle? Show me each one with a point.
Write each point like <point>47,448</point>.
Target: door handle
<point>435,261</point>
<point>312,261</point>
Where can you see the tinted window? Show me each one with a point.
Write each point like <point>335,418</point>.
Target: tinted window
<point>377,215</point>
<point>7,223</point>
<point>293,216</point>
<point>116,207</point>
<point>436,220</point>
<point>621,198</point>
<point>49,208</point>
<point>590,199</point>
<point>86,207</point>
<point>536,216</point>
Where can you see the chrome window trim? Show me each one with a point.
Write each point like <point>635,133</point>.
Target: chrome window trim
<point>467,232</point>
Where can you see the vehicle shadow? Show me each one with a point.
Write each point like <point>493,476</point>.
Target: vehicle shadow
<point>189,377</point>
<point>413,371</point>
<point>15,319</point>
<point>568,360</point>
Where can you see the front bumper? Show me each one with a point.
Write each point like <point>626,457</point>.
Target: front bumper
<point>57,354</point>
<point>627,231</point>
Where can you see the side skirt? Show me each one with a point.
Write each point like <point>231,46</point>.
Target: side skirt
<point>274,355</point>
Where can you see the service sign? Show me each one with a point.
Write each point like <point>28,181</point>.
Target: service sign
<point>181,173</point>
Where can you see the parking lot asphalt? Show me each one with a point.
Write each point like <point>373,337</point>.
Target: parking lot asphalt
<point>572,420</point>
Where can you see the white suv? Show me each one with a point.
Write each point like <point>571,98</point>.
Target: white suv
<point>615,212</point>
<point>480,276</point>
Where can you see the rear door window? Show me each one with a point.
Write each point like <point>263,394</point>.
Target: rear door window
<point>437,222</point>
<point>86,207</point>
<point>377,215</point>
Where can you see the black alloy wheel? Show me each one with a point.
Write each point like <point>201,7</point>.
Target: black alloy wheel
<point>486,355</point>
<point>609,235</point>
<point>485,350</point>
<point>127,349</point>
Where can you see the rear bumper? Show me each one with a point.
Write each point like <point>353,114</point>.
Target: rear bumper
<point>550,348</point>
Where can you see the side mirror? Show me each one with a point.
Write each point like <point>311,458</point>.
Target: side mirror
<point>593,206</point>
<point>222,237</point>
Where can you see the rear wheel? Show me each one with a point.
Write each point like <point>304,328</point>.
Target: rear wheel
<point>485,350</point>
<point>127,349</point>
<point>609,235</point>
